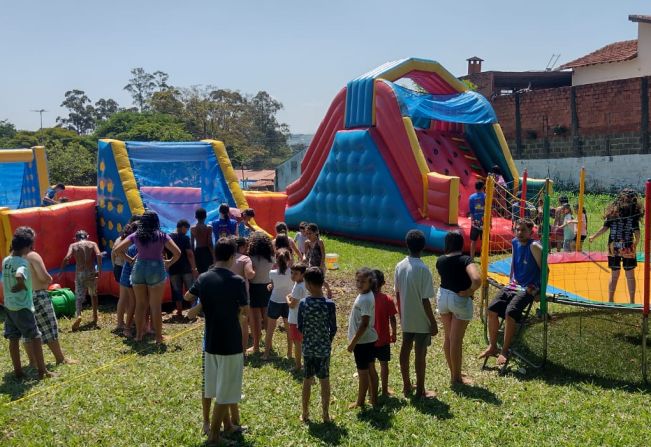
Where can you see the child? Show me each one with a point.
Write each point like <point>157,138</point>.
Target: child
<point>281,286</point>
<point>362,336</point>
<point>300,238</point>
<point>224,226</point>
<point>317,322</point>
<point>127,287</point>
<point>201,241</point>
<point>88,267</point>
<point>244,227</point>
<point>293,299</point>
<point>50,195</point>
<point>414,289</point>
<point>622,218</point>
<point>46,320</point>
<point>569,228</point>
<point>385,318</point>
<point>19,305</point>
<point>476,211</point>
<point>314,249</point>
<point>282,240</point>
<point>584,221</point>
<point>184,271</point>
<point>243,267</point>
<point>557,232</point>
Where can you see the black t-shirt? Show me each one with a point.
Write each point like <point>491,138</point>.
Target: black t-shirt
<point>621,231</point>
<point>222,293</point>
<point>181,266</point>
<point>452,270</point>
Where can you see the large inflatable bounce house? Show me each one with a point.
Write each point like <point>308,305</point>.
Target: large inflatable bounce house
<point>23,177</point>
<point>388,158</point>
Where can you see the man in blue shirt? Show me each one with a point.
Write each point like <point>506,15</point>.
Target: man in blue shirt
<point>224,226</point>
<point>476,203</point>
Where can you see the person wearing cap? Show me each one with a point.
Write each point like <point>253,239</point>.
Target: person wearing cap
<point>88,266</point>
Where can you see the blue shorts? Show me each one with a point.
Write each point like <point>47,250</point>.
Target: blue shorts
<point>277,310</point>
<point>21,323</point>
<point>148,272</point>
<point>125,275</point>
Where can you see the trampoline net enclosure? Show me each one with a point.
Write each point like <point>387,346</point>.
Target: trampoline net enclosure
<point>174,179</point>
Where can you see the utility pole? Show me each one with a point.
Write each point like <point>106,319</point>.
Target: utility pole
<point>40,112</point>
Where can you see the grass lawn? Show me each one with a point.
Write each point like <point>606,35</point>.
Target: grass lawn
<point>123,394</point>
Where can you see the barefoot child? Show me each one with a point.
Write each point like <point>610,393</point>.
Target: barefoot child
<point>88,266</point>
<point>385,326</point>
<point>201,241</point>
<point>317,322</point>
<point>414,289</point>
<point>19,305</point>
<point>293,299</point>
<point>46,319</point>
<point>300,238</point>
<point>281,286</point>
<point>362,336</point>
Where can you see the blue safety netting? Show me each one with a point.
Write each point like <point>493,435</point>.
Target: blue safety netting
<point>466,107</point>
<point>175,179</point>
<point>11,184</point>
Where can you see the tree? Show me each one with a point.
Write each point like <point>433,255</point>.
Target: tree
<point>143,85</point>
<point>81,115</point>
<point>7,130</point>
<point>104,108</point>
<point>148,126</point>
<point>168,102</point>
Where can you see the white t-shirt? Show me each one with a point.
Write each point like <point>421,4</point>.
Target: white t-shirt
<point>413,281</point>
<point>364,305</point>
<point>300,242</point>
<point>282,285</point>
<point>298,293</point>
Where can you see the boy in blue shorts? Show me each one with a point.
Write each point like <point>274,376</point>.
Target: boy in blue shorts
<point>476,203</point>
<point>317,322</point>
<point>20,320</point>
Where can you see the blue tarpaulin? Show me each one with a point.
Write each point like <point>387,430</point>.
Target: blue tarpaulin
<point>466,107</point>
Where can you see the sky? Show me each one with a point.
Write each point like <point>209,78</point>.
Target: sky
<point>301,52</point>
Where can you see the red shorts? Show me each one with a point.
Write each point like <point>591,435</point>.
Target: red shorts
<point>294,333</point>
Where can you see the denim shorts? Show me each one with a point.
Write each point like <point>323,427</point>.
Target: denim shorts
<point>21,323</point>
<point>450,302</point>
<point>148,272</point>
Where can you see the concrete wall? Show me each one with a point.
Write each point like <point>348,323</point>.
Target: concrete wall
<point>605,173</point>
<point>289,170</point>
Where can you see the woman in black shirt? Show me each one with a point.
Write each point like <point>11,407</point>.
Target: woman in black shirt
<point>459,279</point>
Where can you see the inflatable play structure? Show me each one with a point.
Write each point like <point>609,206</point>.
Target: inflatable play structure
<point>171,178</point>
<point>387,158</point>
<point>23,177</point>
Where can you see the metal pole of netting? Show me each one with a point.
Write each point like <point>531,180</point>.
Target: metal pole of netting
<point>579,214</point>
<point>523,195</point>
<point>485,249</point>
<point>647,277</point>
<point>544,270</point>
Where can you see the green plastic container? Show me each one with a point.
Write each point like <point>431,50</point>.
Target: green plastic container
<point>63,301</point>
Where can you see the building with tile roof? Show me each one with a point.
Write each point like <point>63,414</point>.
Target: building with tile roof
<point>620,60</point>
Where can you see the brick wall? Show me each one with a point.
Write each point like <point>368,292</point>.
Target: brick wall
<point>606,120</point>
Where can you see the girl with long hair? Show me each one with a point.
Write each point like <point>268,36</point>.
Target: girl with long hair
<point>149,270</point>
<point>261,254</point>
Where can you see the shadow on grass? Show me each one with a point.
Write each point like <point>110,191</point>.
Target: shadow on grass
<point>148,347</point>
<point>432,407</point>
<point>328,432</point>
<point>476,392</point>
<point>17,388</point>
<point>381,417</point>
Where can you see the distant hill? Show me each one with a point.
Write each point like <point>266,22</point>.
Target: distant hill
<point>300,138</point>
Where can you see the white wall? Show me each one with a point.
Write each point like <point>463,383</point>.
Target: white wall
<point>640,66</point>
<point>602,173</point>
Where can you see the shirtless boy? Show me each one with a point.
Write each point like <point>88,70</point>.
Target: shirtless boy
<point>201,241</point>
<point>88,266</point>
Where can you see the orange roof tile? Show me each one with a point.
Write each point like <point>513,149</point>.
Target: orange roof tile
<point>615,52</point>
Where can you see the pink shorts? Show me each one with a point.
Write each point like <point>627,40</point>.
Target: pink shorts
<point>294,333</point>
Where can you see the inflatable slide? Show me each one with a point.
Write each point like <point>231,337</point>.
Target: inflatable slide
<point>400,148</point>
